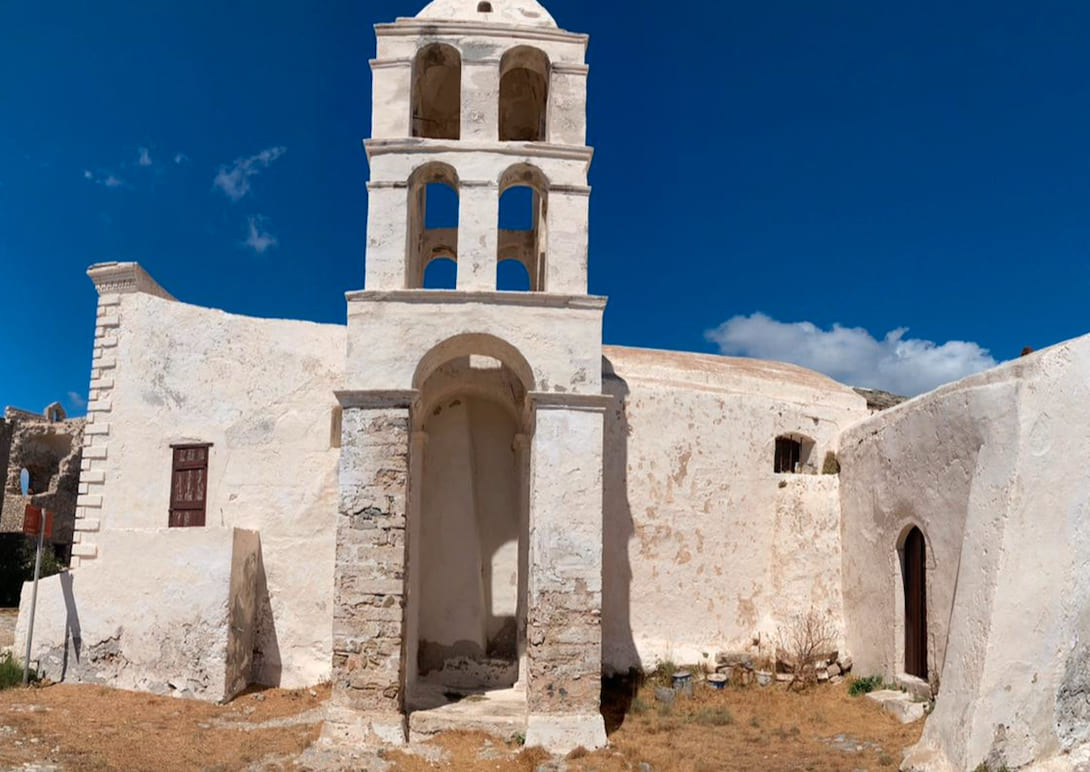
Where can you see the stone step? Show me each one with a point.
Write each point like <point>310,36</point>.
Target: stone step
<point>502,714</point>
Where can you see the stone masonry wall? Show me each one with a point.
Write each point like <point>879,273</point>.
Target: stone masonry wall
<point>97,431</point>
<point>369,602</point>
<point>5,452</point>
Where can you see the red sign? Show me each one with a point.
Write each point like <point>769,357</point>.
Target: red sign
<point>32,522</point>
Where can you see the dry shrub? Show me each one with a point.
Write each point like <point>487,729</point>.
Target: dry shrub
<point>805,639</point>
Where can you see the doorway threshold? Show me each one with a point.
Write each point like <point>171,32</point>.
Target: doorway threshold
<point>502,713</point>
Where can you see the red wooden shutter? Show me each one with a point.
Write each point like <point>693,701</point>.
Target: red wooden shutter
<point>189,486</point>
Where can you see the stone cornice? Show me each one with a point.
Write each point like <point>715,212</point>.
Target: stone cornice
<point>409,27</point>
<point>460,297</point>
<point>125,278</point>
<point>381,64</point>
<point>565,68</point>
<point>408,145</point>
<point>559,68</point>
<point>377,399</point>
<point>552,400</point>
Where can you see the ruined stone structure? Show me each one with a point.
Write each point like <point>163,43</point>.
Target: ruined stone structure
<point>49,446</point>
<point>462,491</point>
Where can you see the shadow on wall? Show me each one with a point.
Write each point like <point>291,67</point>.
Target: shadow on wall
<point>621,664</point>
<point>73,641</point>
<point>267,666</point>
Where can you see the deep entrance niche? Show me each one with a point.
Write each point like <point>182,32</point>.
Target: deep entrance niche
<point>914,571</point>
<point>468,533</point>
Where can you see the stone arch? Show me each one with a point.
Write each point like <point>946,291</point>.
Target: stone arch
<point>524,95</point>
<point>468,518</point>
<point>437,92</point>
<point>427,244</point>
<point>527,246</point>
<point>474,344</point>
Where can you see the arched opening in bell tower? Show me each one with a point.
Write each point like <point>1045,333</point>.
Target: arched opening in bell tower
<point>524,95</point>
<point>468,523</point>
<point>437,93</point>
<point>433,227</point>
<point>524,196</point>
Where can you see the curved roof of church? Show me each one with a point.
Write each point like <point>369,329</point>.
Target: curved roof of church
<point>710,371</point>
<point>525,13</point>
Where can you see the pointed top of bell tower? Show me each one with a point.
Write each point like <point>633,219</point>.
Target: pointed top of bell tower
<point>522,13</point>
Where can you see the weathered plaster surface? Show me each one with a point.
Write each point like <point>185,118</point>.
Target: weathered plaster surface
<point>989,469</point>
<point>159,620</point>
<point>262,392</point>
<point>706,548</point>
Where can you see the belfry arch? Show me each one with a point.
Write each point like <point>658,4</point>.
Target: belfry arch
<point>524,95</point>
<point>528,246</point>
<point>429,243</point>
<point>437,93</point>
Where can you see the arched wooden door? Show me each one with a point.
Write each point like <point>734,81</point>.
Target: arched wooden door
<point>914,566</point>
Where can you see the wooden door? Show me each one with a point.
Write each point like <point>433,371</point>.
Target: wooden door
<point>188,486</point>
<point>914,565</point>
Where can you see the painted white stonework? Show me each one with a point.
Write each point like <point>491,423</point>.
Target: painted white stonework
<point>708,548</point>
<point>170,614</point>
<point>990,469</point>
<point>463,489</point>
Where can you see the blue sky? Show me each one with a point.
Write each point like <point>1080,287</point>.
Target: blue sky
<point>783,179</point>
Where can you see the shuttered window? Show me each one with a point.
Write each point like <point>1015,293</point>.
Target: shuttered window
<point>189,486</point>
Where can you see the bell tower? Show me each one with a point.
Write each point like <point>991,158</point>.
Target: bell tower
<point>481,97</point>
<point>469,530</point>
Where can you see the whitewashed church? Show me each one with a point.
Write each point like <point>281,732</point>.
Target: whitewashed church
<point>463,491</point>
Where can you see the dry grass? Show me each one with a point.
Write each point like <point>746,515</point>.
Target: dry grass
<point>735,729</point>
<point>93,728</point>
<point>88,727</point>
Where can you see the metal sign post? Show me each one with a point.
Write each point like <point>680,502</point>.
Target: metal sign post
<point>24,484</point>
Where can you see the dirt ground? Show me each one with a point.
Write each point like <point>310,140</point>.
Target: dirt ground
<point>77,727</point>
<point>70,727</point>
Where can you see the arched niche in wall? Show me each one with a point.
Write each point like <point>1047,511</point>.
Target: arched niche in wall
<point>468,517</point>
<point>524,95</point>
<point>437,93</point>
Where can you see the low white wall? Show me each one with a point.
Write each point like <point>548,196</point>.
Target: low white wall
<point>991,471</point>
<point>157,621</point>
<point>706,548</point>
<point>262,392</point>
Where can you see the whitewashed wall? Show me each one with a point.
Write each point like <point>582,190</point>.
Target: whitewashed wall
<point>262,392</point>
<point>705,547</point>
<point>992,470</point>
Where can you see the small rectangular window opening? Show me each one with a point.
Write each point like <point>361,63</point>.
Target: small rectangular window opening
<point>189,486</point>
<point>484,7</point>
<point>788,455</point>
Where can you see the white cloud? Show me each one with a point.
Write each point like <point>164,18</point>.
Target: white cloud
<point>852,355</point>
<point>77,400</point>
<point>234,180</point>
<point>143,157</point>
<point>107,179</point>
<point>181,159</point>
<point>259,239</point>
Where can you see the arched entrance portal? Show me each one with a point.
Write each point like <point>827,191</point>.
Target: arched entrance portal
<point>468,537</point>
<point>914,574</point>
